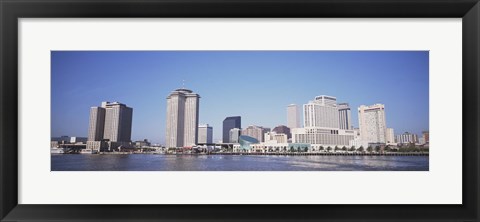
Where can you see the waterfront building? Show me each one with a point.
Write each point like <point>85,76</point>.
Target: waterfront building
<point>61,139</point>
<point>273,137</point>
<point>321,112</point>
<point>234,135</point>
<point>345,116</point>
<point>293,116</point>
<point>228,124</point>
<point>110,122</point>
<point>246,141</point>
<point>426,136</point>
<point>205,134</point>
<point>256,132</point>
<point>372,123</point>
<point>76,139</point>
<point>182,118</point>
<point>323,136</point>
<point>407,138</point>
<point>390,136</point>
<point>322,124</point>
<point>283,129</point>
<point>118,122</point>
<point>142,143</point>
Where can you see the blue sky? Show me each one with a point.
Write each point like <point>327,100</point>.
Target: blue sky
<point>257,85</point>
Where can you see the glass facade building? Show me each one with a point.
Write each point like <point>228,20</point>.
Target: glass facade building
<point>228,124</point>
<point>245,142</point>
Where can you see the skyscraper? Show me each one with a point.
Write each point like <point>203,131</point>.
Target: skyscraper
<point>205,134</point>
<point>321,112</point>
<point>390,136</point>
<point>182,118</point>
<point>234,135</point>
<point>293,116</point>
<point>345,116</point>
<point>372,123</point>
<point>228,124</point>
<point>118,122</point>
<point>110,122</point>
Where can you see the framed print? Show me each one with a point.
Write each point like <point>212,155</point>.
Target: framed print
<point>226,110</point>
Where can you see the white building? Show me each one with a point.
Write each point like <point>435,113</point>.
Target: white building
<point>293,116</point>
<point>372,123</point>
<point>273,137</point>
<point>113,122</point>
<point>322,112</point>
<point>205,134</point>
<point>323,136</point>
<point>182,118</point>
<point>345,116</point>
<point>407,138</point>
<point>234,134</point>
<point>390,136</point>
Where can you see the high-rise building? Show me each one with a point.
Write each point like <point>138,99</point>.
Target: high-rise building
<point>182,118</point>
<point>118,122</point>
<point>407,137</point>
<point>322,112</point>
<point>234,135</point>
<point>228,124</point>
<point>372,123</point>
<point>256,132</point>
<point>293,116</point>
<point>96,124</point>
<point>345,116</point>
<point>283,129</point>
<point>205,134</point>
<point>110,122</point>
<point>390,136</point>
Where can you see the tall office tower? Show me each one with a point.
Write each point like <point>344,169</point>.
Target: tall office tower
<point>322,112</point>
<point>182,118</point>
<point>228,124</point>
<point>293,116</point>
<point>96,124</point>
<point>234,135</point>
<point>118,122</point>
<point>256,132</point>
<point>390,136</point>
<point>372,123</point>
<point>282,129</point>
<point>407,138</point>
<point>345,116</point>
<point>205,134</point>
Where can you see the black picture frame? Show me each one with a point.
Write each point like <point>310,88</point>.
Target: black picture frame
<point>12,10</point>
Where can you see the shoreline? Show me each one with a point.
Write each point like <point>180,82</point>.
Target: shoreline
<point>267,154</point>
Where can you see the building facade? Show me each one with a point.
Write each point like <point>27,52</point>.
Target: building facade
<point>321,112</point>
<point>256,132</point>
<point>406,138</point>
<point>205,134</point>
<point>112,122</point>
<point>293,116</point>
<point>390,136</point>
<point>274,137</point>
<point>235,135</point>
<point>372,123</point>
<point>228,124</point>
<point>182,118</point>
<point>345,116</point>
<point>283,129</point>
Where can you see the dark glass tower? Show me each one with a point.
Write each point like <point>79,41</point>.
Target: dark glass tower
<point>230,123</point>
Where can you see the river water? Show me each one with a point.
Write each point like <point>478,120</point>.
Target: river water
<point>151,162</point>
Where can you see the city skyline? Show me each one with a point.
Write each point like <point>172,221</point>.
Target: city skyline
<point>260,96</point>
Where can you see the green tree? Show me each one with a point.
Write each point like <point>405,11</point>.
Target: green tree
<point>352,148</point>
<point>292,149</point>
<point>329,148</point>
<point>344,148</point>
<point>321,148</point>
<point>369,149</point>
<point>361,149</point>
<point>377,149</point>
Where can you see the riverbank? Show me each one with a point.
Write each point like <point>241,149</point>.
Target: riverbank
<point>275,154</point>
